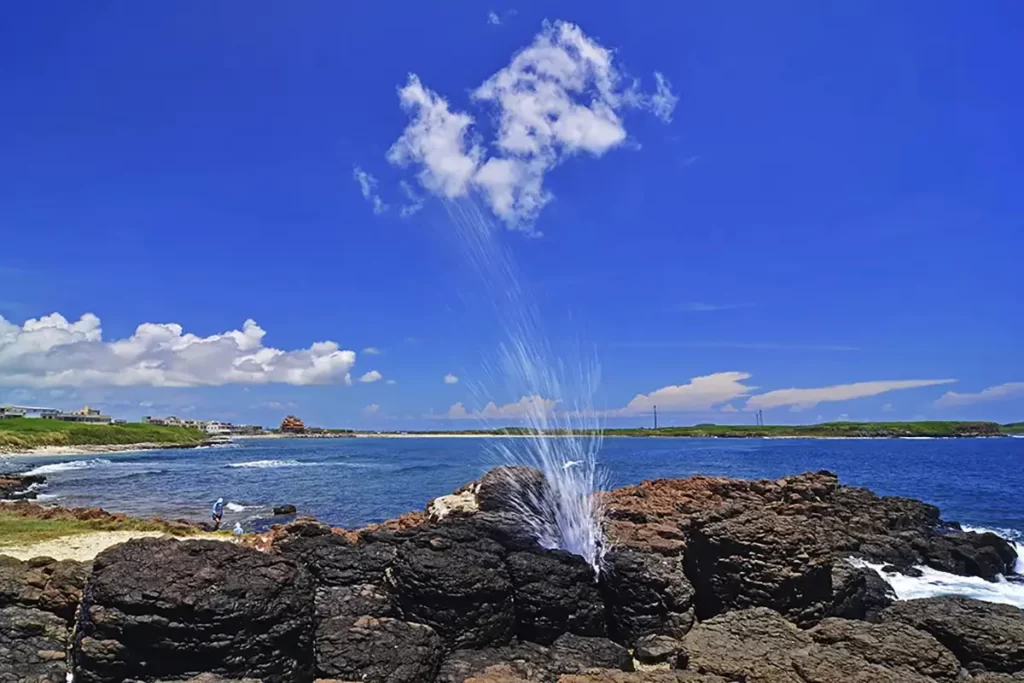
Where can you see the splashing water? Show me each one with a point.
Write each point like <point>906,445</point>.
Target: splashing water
<point>563,432</point>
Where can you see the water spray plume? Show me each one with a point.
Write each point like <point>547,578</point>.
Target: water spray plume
<point>562,430</point>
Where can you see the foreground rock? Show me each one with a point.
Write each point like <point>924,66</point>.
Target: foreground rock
<point>161,608</point>
<point>711,581</point>
<point>20,486</point>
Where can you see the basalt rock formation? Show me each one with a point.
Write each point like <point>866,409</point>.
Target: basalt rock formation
<point>707,581</point>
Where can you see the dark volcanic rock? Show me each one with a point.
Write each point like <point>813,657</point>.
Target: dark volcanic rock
<point>332,559</point>
<point>971,554</point>
<point>377,650</point>
<point>457,584</point>
<point>162,609</point>
<point>511,489</point>
<point>657,649</point>
<point>612,676</point>
<point>282,510</point>
<point>572,654</point>
<point>360,600</point>
<point>982,635</point>
<point>859,592</point>
<point>761,559</point>
<point>20,486</point>
<point>646,594</point>
<point>555,593</point>
<point>33,646</point>
<point>43,583</point>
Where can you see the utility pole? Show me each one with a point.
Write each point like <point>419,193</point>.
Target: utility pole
<point>655,417</point>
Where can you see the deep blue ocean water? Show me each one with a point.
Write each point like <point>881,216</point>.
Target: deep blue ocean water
<point>352,482</point>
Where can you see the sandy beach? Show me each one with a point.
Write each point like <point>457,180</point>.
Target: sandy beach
<point>82,547</point>
<point>92,449</point>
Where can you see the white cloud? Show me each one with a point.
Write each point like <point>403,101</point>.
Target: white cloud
<point>887,408</point>
<point>451,379</point>
<point>371,351</point>
<point>436,139</point>
<point>728,408</point>
<point>802,399</point>
<point>371,376</point>
<point>999,392</point>
<point>527,406</point>
<point>372,409</point>
<point>493,18</point>
<point>415,200</point>
<point>663,101</point>
<point>701,393</point>
<point>368,186</point>
<point>558,97</point>
<point>278,405</point>
<point>391,381</point>
<point>52,351</point>
<point>703,307</point>
<point>843,418</point>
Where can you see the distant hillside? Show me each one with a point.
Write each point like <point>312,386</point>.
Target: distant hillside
<point>24,433</point>
<point>827,429</point>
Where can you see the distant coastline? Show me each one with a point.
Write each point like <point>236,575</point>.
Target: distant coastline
<point>42,437</point>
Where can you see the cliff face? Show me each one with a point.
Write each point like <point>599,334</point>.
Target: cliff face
<point>708,581</point>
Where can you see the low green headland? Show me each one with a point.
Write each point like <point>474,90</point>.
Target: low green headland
<point>825,430</point>
<point>24,433</point>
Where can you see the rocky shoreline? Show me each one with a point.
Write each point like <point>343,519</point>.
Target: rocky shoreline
<point>707,580</point>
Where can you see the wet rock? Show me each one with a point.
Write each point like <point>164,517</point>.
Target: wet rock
<point>971,554</point>
<point>555,593</point>
<point>33,646</point>
<point>983,636</point>
<point>646,594</point>
<point>378,650</point>
<point>456,583</point>
<point>281,510</point>
<point>859,592</point>
<point>20,486</point>
<point>43,583</point>
<point>156,608</point>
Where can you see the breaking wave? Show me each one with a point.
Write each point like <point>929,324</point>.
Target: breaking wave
<point>267,464</point>
<point>70,465</point>
<point>934,583</point>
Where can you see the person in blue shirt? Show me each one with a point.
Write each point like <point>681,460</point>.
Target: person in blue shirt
<point>218,513</point>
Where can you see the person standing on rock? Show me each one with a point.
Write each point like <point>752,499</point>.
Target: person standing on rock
<point>218,513</point>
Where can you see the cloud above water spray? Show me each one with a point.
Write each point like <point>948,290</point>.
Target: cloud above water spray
<point>561,96</point>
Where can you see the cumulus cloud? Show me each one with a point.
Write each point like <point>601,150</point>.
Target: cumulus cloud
<point>371,351</point>
<point>701,393</point>
<point>52,351</point>
<point>999,392</point>
<point>493,18</point>
<point>728,408</point>
<point>802,399</point>
<point>372,409</point>
<point>451,379</point>
<point>527,406</point>
<point>560,96</point>
<point>371,376</point>
<point>368,186</point>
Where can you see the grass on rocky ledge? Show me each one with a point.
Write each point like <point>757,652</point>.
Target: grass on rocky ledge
<point>24,433</point>
<point>19,529</point>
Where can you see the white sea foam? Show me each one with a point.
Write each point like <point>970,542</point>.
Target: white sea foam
<point>933,583</point>
<point>70,465</point>
<point>236,507</point>
<point>264,464</point>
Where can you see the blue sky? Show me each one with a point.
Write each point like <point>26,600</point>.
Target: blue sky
<point>807,195</point>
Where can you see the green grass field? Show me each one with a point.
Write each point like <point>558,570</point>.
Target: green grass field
<point>17,529</point>
<point>23,433</point>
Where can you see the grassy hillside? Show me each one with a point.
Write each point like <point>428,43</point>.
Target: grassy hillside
<point>19,433</point>
<point>827,429</point>
<point>1014,428</point>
